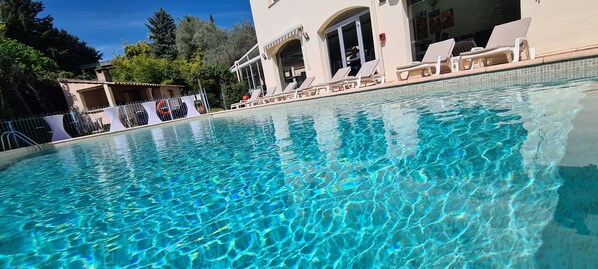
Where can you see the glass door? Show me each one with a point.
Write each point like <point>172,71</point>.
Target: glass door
<point>350,43</point>
<point>334,52</point>
<point>352,47</point>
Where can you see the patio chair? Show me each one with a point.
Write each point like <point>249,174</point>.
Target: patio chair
<point>507,43</point>
<point>289,89</point>
<point>305,85</point>
<point>368,73</point>
<point>339,76</point>
<point>270,92</point>
<point>437,58</point>
<point>255,94</point>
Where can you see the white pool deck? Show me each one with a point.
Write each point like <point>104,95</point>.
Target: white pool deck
<point>8,157</point>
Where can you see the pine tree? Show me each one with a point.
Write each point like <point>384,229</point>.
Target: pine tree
<point>162,34</point>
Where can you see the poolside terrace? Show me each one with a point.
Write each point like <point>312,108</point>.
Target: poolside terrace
<point>499,72</point>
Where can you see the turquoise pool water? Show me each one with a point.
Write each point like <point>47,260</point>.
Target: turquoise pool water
<point>487,178</point>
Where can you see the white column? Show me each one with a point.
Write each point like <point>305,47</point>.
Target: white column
<point>109,95</point>
<point>55,123</point>
<point>114,119</point>
<point>190,102</point>
<point>150,108</point>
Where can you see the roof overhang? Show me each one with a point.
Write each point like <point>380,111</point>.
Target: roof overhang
<point>139,84</point>
<point>293,33</point>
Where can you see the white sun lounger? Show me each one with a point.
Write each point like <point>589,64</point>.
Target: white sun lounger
<point>437,58</point>
<point>507,43</point>
<point>293,94</point>
<point>339,76</point>
<point>305,85</point>
<point>255,95</point>
<point>289,89</point>
<point>270,92</point>
<point>367,74</point>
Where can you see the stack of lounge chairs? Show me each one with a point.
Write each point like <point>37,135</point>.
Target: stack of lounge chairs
<point>507,43</point>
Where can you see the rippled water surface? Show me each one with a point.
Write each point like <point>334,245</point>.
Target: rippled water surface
<point>481,179</point>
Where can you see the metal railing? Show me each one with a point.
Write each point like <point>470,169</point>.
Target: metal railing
<point>10,138</point>
<point>94,121</point>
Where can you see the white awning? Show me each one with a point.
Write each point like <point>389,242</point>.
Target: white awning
<point>294,32</point>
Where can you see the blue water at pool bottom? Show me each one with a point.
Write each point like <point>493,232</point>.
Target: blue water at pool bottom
<point>377,180</point>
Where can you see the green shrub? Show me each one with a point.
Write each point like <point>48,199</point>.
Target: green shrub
<point>233,92</point>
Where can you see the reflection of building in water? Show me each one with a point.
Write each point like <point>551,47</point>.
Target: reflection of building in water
<point>159,141</point>
<point>201,130</point>
<point>400,125</point>
<point>327,133</point>
<point>284,143</point>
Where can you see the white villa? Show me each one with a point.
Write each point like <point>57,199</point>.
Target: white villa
<point>299,39</point>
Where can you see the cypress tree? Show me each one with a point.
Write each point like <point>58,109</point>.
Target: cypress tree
<point>162,34</point>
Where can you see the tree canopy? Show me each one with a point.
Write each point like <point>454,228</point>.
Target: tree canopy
<point>33,53</point>
<point>216,45</point>
<point>162,34</point>
<point>21,23</point>
<point>27,83</point>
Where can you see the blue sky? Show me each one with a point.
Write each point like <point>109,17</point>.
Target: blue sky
<point>108,24</point>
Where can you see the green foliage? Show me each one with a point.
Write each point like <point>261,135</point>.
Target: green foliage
<point>139,48</point>
<point>162,34</point>
<point>138,65</point>
<point>20,21</point>
<point>27,84</point>
<point>20,59</point>
<point>205,52</point>
<point>213,78</point>
<point>233,92</point>
<point>217,45</point>
<point>194,34</point>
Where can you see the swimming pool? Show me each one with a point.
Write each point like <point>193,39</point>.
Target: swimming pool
<point>479,178</point>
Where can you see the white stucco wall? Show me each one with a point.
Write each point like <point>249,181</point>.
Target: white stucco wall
<point>314,15</point>
<point>561,25</point>
<point>72,94</point>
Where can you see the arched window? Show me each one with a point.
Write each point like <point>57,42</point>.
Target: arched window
<point>290,63</point>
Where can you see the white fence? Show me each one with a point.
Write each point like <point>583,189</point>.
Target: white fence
<point>46,128</point>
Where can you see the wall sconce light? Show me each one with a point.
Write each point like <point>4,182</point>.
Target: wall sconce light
<point>306,36</point>
<point>264,56</point>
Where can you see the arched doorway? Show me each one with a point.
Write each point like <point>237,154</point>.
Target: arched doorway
<point>350,40</point>
<point>290,63</point>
